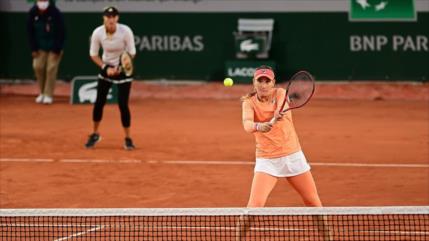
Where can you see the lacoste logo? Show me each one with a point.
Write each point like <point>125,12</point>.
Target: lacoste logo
<point>247,46</point>
<point>88,92</point>
<point>378,7</point>
<point>363,3</point>
<point>382,10</point>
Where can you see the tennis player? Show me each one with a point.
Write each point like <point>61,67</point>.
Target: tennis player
<point>114,38</point>
<point>278,152</point>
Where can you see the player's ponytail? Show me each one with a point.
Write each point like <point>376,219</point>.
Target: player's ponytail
<point>248,95</point>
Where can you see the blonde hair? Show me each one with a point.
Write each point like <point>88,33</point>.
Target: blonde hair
<point>248,95</point>
<point>253,92</point>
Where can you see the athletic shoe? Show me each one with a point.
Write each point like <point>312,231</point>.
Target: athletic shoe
<point>47,100</point>
<point>93,138</point>
<point>128,145</point>
<point>39,98</point>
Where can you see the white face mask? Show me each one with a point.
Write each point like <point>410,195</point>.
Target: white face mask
<point>43,5</point>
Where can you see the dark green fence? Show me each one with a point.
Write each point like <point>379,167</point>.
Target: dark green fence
<point>196,46</point>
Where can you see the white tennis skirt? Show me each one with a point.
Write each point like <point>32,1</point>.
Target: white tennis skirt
<point>286,166</point>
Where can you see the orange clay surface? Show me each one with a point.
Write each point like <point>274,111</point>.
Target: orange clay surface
<point>43,162</point>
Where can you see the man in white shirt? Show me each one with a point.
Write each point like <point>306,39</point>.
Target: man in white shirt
<point>114,38</point>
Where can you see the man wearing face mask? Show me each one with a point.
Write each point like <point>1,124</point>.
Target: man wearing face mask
<point>45,26</point>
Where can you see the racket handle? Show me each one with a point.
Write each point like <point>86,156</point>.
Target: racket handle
<point>273,121</point>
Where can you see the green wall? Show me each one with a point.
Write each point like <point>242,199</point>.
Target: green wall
<point>319,42</point>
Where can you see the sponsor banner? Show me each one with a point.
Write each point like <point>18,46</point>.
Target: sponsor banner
<point>198,5</point>
<point>169,43</point>
<point>186,46</point>
<point>241,71</point>
<point>382,10</point>
<point>188,5</point>
<point>84,91</point>
<point>396,43</point>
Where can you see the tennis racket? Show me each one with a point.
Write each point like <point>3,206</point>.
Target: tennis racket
<point>299,90</point>
<point>126,64</point>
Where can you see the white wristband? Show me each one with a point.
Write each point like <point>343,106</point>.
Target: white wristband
<point>256,126</point>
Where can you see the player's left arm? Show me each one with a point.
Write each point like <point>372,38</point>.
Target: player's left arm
<point>280,98</point>
<point>130,45</point>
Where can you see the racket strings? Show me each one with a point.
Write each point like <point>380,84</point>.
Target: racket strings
<point>300,90</point>
<point>126,64</point>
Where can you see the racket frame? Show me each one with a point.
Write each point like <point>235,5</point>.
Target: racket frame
<point>122,68</point>
<point>273,120</point>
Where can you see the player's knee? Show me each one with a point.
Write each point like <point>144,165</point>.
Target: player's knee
<point>38,67</point>
<point>312,201</point>
<point>123,107</point>
<point>256,204</point>
<point>100,102</point>
<point>50,68</point>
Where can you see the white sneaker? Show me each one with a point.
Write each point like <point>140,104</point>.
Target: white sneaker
<point>47,100</point>
<point>39,98</point>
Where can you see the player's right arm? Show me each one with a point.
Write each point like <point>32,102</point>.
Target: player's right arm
<point>94,52</point>
<point>95,48</point>
<point>248,117</point>
<point>249,123</point>
<point>97,60</point>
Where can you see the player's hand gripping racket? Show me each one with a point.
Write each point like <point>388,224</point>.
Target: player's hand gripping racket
<point>126,64</point>
<point>299,90</point>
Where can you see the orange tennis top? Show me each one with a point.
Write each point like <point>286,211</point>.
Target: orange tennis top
<point>282,140</point>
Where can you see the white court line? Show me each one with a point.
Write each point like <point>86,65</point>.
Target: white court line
<point>311,163</point>
<point>140,228</point>
<point>80,233</point>
<point>209,162</point>
<point>368,164</point>
<point>98,161</point>
<point>188,162</point>
<point>25,160</point>
<point>45,225</point>
<point>130,161</point>
<point>85,161</point>
<point>390,232</point>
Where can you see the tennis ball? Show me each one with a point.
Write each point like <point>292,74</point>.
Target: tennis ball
<point>228,82</point>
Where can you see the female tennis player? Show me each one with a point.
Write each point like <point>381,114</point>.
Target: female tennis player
<point>278,152</point>
<point>114,38</point>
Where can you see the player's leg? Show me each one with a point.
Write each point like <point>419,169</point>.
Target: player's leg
<point>305,186</point>
<point>53,61</point>
<point>123,100</point>
<point>262,185</point>
<point>103,88</point>
<point>39,66</point>
<point>97,112</point>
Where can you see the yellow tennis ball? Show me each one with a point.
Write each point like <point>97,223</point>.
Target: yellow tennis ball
<point>228,82</point>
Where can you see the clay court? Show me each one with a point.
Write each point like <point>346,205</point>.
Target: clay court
<point>368,146</point>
